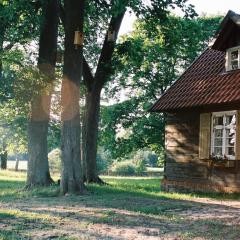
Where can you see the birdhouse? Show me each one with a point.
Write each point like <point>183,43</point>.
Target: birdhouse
<point>78,39</point>
<point>111,36</point>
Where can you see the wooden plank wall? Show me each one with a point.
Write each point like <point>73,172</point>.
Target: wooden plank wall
<point>182,154</point>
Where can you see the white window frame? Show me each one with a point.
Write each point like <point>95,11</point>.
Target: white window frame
<point>228,58</point>
<point>214,114</point>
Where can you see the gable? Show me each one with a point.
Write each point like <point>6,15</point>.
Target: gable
<point>228,35</point>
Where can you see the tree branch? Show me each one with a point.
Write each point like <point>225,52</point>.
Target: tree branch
<point>87,74</point>
<point>104,63</point>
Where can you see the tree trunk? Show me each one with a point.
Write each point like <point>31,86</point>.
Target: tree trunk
<point>2,32</point>
<point>92,120</point>
<point>72,177</point>
<point>16,163</point>
<point>38,168</point>
<point>4,156</point>
<point>83,140</point>
<point>94,85</point>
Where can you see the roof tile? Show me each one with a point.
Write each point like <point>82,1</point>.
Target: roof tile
<point>204,83</point>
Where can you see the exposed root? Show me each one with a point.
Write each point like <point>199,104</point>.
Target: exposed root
<point>97,180</point>
<point>32,185</point>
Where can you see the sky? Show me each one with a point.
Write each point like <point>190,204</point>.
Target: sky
<point>210,7</point>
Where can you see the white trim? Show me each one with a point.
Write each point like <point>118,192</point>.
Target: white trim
<point>228,58</point>
<point>224,128</point>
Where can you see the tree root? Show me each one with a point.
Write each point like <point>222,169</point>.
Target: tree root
<point>97,180</point>
<point>30,186</point>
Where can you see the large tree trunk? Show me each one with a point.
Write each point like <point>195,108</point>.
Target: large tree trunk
<point>72,177</point>
<point>38,168</point>
<point>92,120</point>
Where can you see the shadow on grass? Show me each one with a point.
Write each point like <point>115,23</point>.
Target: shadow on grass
<point>125,203</point>
<point>159,223</point>
<point>15,224</point>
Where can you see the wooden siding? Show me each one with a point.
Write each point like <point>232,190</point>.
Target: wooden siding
<point>182,159</point>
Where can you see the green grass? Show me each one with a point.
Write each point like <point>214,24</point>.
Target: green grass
<point>126,202</point>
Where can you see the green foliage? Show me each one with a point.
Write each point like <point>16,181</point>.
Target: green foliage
<point>135,165</point>
<point>54,134</point>
<point>19,85</point>
<point>17,27</point>
<point>140,162</point>
<point>98,14</point>
<point>152,159</point>
<point>13,127</point>
<point>140,167</point>
<point>30,77</point>
<point>146,63</point>
<point>123,168</point>
<point>102,164</point>
<point>103,161</point>
<point>18,24</point>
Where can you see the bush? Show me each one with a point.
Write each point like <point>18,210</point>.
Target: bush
<point>54,158</point>
<point>102,164</point>
<point>104,160</point>
<point>140,167</point>
<point>125,168</point>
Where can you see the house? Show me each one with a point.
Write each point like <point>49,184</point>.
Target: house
<point>202,109</point>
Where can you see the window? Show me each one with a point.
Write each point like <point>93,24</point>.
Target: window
<point>224,134</point>
<point>233,58</point>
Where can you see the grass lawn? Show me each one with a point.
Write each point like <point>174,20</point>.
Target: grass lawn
<point>128,208</point>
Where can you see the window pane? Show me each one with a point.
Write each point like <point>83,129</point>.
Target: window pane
<point>234,55</point>
<point>218,120</point>
<point>230,134</point>
<point>230,142</point>
<point>218,151</point>
<point>230,119</point>
<point>230,151</point>
<point>218,142</point>
<point>234,65</point>
<point>218,133</point>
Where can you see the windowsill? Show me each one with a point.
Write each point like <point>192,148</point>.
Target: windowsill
<point>226,164</point>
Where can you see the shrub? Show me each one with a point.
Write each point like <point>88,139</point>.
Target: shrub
<point>140,167</point>
<point>54,158</point>
<point>125,168</point>
<point>102,164</point>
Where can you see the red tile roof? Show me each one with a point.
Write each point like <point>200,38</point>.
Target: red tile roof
<point>204,83</point>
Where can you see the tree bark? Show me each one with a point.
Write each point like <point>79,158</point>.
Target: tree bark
<point>83,139</point>
<point>94,86</point>
<point>38,168</point>
<point>71,177</point>
<point>16,163</point>
<point>4,156</point>
<point>92,120</point>
<point>2,32</point>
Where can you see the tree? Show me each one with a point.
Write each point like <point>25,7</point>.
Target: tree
<point>104,70</point>
<point>14,15</point>
<point>38,168</point>
<point>72,178</point>
<point>94,86</point>
<point>147,63</point>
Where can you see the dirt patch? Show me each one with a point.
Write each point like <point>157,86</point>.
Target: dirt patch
<point>62,218</point>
